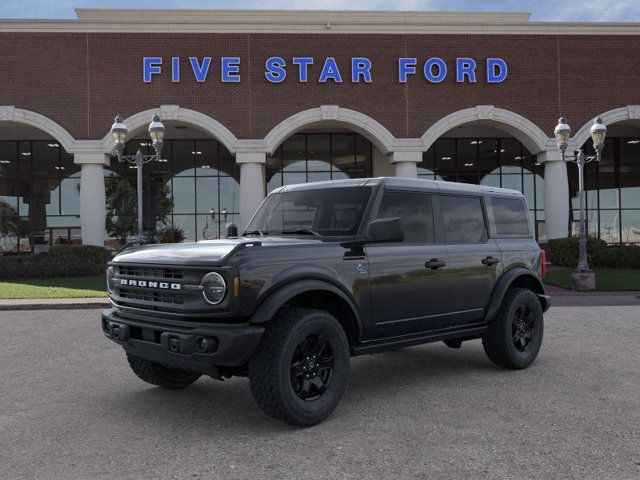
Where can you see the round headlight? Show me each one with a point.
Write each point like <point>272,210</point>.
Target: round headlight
<point>214,288</point>
<point>111,272</point>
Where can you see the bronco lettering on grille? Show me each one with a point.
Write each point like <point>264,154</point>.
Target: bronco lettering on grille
<point>143,283</point>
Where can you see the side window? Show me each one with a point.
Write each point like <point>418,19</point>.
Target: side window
<point>463,219</point>
<point>510,216</point>
<point>415,211</point>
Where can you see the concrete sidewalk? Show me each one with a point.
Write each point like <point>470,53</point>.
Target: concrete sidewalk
<point>53,303</point>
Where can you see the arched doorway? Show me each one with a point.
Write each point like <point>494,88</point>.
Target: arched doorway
<point>195,187</point>
<point>39,190</point>
<point>315,155</point>
<point>326,143</point>
<point>612,186</point>
<point>483,154</point>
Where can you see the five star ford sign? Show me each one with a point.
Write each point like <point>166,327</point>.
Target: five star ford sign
<point>434,70</point>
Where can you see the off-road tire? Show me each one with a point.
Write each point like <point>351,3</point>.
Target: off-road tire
<point>157,374</point>
<point>498,341</point>
<point>270,368</point>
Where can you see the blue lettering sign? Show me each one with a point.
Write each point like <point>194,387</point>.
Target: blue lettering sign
<point>230,67</point>
<point>360,67</point>
<point>331,71</point>
<point>150,66</point>
<point>428,70</point>
<point>175,69</point>
<point>275,69</point>
<point>200,71</point>
<point>406,66</point>
<point>496,70</point>
<point>465,67</point>
<point>303,66</point>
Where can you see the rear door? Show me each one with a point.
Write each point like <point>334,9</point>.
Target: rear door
<point>474,259</point>
<point>407,295</point>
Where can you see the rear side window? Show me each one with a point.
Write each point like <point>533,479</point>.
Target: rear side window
<point>510,216</point>
<point>463,219</point>
<point>415,211</point>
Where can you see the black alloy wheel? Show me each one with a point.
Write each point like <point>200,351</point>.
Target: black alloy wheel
<point>514,337</point>
<point>300,369</point>
<point>522,327</point>
<point>312,367</point>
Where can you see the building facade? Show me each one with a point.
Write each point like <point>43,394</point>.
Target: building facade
<point>257,99</point>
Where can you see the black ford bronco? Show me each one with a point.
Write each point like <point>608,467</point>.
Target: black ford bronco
<point>325,271</point>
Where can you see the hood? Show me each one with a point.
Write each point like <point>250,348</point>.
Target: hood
<point>207,252</point>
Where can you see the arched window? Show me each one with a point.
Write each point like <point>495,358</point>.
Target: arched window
<point>314,157</point>
<point>201,179</point>
<point>39,195</point>
<point>499,162</point>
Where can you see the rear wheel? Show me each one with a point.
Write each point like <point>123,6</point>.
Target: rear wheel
<point>157,374</point>
<point>514,337</point>
<point>299,371</point>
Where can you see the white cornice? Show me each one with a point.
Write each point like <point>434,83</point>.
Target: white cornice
<point>302,21</point>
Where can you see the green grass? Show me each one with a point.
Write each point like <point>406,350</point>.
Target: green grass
<point>72,287</point>
<point>607,279</point>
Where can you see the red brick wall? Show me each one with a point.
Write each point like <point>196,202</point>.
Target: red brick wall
<point>82,80</point>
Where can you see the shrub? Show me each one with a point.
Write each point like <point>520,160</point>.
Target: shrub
<point>170,235</point>
<point>61,261</point>
<point>619,256</point>
<point>564,252</point>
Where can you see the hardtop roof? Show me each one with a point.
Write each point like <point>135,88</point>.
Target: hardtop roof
<point>402,182</point>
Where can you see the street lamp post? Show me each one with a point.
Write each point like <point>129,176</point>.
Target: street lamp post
<point>562,133</point>
<point>156,132</point>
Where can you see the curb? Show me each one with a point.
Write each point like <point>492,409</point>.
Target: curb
<point>53,304</point>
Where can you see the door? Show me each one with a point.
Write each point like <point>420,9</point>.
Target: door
<point>474,260</point>
<point>408,283</point>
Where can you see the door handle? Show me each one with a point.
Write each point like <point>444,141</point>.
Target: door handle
<point>488,261</point>
<point>434,264</point>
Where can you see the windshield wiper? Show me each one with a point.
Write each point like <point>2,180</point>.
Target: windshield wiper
<point>301,231</point>
<point>255,232</point>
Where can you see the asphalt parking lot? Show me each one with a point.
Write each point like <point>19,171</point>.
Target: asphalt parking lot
<point>70,408</point>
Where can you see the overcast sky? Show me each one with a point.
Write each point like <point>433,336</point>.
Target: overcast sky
<point>542,10</point>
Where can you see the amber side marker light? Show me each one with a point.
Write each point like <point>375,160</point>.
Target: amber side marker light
<point>236,287</point>
<point>543,263</point>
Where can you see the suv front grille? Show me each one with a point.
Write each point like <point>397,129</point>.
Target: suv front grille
<point>151,272</point>
<point>147,295</point>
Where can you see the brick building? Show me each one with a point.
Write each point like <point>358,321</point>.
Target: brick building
<point>256,99</point>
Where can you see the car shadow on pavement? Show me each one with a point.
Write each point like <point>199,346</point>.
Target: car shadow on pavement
<point>230,407</point>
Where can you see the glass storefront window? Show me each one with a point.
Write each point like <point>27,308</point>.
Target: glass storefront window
<point>39,195</point>
<point>314,157</point>
<point>497,162</point>
<point>199,177</point>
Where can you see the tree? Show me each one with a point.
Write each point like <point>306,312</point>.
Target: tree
<point>122,208</point>
<point>9,223</point>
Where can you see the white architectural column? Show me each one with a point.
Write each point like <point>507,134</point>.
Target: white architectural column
<point>556,194</point>
<point>252,184</point>
<point>92,197</point>
<point>406,163</point>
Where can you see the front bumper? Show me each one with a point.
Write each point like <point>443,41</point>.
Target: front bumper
<point>229,345</point>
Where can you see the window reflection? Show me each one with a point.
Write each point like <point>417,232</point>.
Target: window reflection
<point>612,191</point>
<point>199,176</point>
<point>314,157</point>
<point>497,162</point>
<point>39,195</point>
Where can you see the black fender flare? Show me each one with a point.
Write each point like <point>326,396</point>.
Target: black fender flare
<point>503,284</point>
<point>281,295</point>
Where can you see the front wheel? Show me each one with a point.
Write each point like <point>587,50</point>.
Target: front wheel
<point>514,337</point>
<point>300,368</point>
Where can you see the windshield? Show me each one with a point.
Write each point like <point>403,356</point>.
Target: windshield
<point>326,212</point>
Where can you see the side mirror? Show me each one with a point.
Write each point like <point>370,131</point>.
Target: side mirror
<point>385,230</point>
<point>231,230</point>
